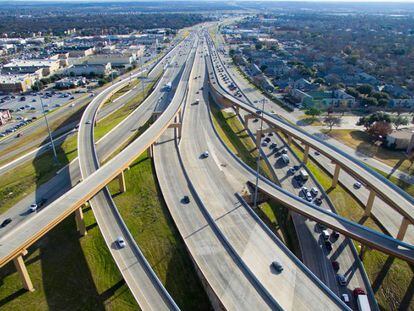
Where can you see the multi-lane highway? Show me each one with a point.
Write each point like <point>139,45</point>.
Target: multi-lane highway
<point>138,274</point>
<point>213,183</point>
<point>231,248</point>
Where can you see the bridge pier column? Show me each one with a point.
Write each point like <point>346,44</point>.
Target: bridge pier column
<point>246,121</point>
<point>336,175</point>
<point>80,222</point>
<point>370,202</point>
<point>258,138</point>
<point>237,110</point>
<point>289,140</point>
<point>121,181</point>
<point>151,150</point>
<point>403,229</point>
<point>23,273</point>
<point>362,251</point>
<point>306,154</point>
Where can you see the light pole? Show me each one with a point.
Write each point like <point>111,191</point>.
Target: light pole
<point>50,134</point>
<point>258,156</point>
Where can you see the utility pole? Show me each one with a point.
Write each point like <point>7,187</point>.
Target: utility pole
<point>50,134</point>
<point>258,156</point>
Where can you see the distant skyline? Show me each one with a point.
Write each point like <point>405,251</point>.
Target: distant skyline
<point>86,1</point>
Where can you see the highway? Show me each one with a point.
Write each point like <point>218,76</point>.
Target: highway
<point>314,254</point>
<point>365,235</point>
<point>138,274</point>
<point>69,176</point>
<point>41,223</point>
<point>388,217</point>
<point>216,179</point>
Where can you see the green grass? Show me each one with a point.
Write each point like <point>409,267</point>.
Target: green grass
<point>360,141</point>
<point>19,182</point>
<point>391,279</point>
<point>232,130</point>
<point>146,215</point>
<point>68,273</point>
<point>112,120</point>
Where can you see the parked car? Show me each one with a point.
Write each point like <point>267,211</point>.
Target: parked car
<point>341,280</point>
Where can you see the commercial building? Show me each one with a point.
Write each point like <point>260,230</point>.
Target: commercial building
<point>401,140</point>
<point>16,83</point>
<point>89,69</point>
<point>42,67</point>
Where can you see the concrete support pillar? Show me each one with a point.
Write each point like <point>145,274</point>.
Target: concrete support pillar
<point>306,154</point>
<point>336,176</point>
<point>258,138</point>
<point>246,121</point>
<point>122,184</point>
<point>237,108</point>
<point>370,202</point>
<point>362,251</point>
<point>80,222</point>
<point>151,150</point>
<point>179,130</point>
<point>23,273</point>
<point>289,140</point>
<point>403,229</point>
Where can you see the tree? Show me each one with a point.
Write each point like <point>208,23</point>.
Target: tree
<point>370,120</point>
<point>263,67</point>
<point>370,101</point>
<point>332,121</point>
<point>364,89</point>
<point>397,121</point>
<point>313,112</point>
<point>379,130</point>
<point>258,46</point>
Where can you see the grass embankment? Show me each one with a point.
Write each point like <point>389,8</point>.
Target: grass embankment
<point>146,215</point>
<point>392,279</point>
<point>361,142</point>
<point>68,273</point>
<point>236,138</point>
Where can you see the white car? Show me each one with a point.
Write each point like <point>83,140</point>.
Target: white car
<point>33,208</point>
<point>314,191</point>
<point>205,154</point>
<point>88,122</point>
<point>120,242</point>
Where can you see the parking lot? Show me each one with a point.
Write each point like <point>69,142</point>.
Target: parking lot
<point>26,108</point>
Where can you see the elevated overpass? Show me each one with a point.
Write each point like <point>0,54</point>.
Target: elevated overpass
<point>362,234</point>
<point>25,235</point>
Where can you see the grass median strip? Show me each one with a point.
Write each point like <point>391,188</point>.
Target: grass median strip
<point>391,278</point>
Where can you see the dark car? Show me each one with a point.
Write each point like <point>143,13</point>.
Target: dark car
<point>335,265</point>
<point>277,266</point>
<point>328,246</point>
<point>185,199</point>
<point>334,235</point>
<point>5,222</point>
<point>317,201</point>
<point>41,202</point>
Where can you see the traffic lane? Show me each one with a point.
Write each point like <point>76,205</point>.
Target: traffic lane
<point>217,266</point>
<point>62,181</point>
<point>218,198</point>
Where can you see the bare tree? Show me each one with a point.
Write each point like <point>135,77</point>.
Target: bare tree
<point>331,121</point>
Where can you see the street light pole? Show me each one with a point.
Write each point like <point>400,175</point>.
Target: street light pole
<point>50,134</point>
<point>258,157</point>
